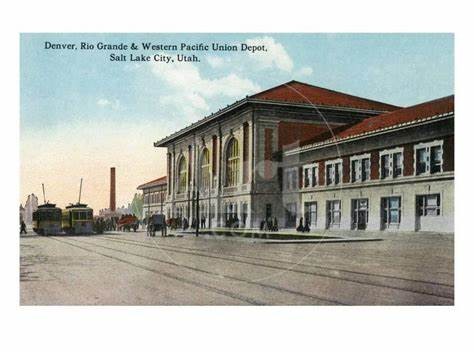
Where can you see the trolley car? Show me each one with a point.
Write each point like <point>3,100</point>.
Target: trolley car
<point>77,219</point>
<point>47,219</point>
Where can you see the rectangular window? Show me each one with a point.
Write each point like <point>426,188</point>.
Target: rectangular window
<point>333,213</point>
<point>338,173</point>
<point>428,205</point>
<point>310,175</point>
<point>360,169</point>
<point>333,172</point>
<point>356,169</point>
<point>436,159</point>
<point>385,166</point>
<point>290,181</point>
<point>314,181</point>
<point>307,177</point>
<point>397,164</point>
<point>360,213</point>
<point>429,158</point>
<point>391,163</point>
<point>391,211</point>
<point>365,169</point>
<point>422,161</point>
<point>330,174</point>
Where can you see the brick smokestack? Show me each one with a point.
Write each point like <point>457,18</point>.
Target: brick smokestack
<point>112,189</point>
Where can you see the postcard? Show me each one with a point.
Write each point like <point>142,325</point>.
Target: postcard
<point>237,169</point>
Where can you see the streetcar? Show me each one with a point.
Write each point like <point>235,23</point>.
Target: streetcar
<point>77,219</point>
<point>47,219</point>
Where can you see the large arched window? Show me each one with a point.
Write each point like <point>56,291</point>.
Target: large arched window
<point>205,170</point>
<point>232,163</point>
<point>182,175</point>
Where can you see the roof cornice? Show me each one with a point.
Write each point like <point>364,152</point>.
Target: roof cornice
<point>247,100</point>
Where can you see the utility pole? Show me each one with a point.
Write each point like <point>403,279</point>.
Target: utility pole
<point>44,196</point>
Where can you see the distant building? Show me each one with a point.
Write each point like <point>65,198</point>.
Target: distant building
<point>154,196</point>
<point>106,212</point>
<point>31,205</point>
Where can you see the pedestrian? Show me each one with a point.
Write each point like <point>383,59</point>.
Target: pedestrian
<point>23,227</point>
<point>306,226</point>
<point>300,227</point>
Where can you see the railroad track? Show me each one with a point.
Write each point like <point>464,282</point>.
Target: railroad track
<point>248,300</point>
<point>291,262</point>
<point>377,280</point>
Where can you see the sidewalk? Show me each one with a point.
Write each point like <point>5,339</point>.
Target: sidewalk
<point>280,237</point>
<point>319,236</point>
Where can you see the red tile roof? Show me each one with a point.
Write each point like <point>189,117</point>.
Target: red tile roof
<point>157,182</point>
<point>297,92</point>
<point>292,92</point>
<point>413,113</point>
<point>410,115</point>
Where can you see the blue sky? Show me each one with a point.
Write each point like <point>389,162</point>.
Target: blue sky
<point>99,113</point>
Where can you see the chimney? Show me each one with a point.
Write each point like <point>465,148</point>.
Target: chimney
<point>112,189</point>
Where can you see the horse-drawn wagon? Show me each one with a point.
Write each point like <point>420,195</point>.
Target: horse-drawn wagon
<point>157,223</point>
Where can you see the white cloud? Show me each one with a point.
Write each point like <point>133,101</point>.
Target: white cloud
<point>304,71</point>
<point>274,56</point>
<point>103,102</point>
<point>215,62</point>
<point>115,104</point>
<point>190,94</point>
<point>189,90</point>
<point>194,99</point>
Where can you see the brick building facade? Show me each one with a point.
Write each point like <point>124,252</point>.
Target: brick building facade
<point>300,151</point>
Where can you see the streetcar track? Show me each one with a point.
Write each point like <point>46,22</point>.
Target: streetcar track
<point>367,283</point>
<point>278,288</point>
<point>431,283</point>
<point>248,300</point>
<point>287,254</point>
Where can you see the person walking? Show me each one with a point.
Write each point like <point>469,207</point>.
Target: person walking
<point>23,227</point>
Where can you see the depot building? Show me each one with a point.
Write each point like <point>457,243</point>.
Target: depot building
<point>302,153</point>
